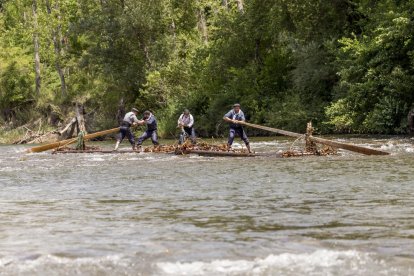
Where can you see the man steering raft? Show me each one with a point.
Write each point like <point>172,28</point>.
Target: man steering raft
<point>186,123</point>
<point>151,132</point>
<point>233,117</point>
<point>130,119</point>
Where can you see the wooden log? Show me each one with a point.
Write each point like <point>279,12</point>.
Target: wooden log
<point>71,141</point>
<point>220,153</point>
<point>350,147</point>
<point>73,121</point>
<point>79,117</point>
<point>275,130</point>
<point>95,151</point>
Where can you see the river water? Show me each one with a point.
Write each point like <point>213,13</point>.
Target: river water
<point>143,214</point>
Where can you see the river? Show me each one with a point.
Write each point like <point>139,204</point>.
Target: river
<point>159,214</point>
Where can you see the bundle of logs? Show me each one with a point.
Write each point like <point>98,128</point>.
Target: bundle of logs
<point>185,148</point>
<point>311,148</point>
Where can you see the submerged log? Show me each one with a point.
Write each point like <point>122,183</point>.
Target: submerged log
<point>220,153</point>
<point>95,151</point>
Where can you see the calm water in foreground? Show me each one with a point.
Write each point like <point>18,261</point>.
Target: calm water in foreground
<point>142,214</point>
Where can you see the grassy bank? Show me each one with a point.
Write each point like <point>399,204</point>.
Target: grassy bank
<point>8,136</point>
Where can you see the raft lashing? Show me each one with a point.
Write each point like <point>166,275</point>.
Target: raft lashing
<point>304,145</point>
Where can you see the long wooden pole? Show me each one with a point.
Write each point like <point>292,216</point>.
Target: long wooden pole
<point>350,147</point>
<point>71,141</point>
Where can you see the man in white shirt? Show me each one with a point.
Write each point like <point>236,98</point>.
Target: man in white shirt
<point>186,123</point>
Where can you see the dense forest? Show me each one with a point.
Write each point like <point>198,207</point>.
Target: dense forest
<point>347,65</point>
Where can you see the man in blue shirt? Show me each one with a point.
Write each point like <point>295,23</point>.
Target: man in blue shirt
<point>232,117</point>
<point>130,119</point>
<point>151,132</point>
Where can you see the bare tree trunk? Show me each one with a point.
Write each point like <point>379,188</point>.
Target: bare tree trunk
<point>240,5</point>
<point>57,49</point>
<point>79,117</point>
<point>202,25</point>
<point>36,48</point>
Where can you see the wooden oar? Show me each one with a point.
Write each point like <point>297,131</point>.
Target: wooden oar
<point>71,141</point>
<point>350,147</point>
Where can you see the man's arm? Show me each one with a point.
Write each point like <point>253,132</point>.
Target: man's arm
<point>135,120</point>
<point>242,118</point>
<point>227,117</point>
<point>191,121</point>
<point>150,120</point>
<point>141,122</point>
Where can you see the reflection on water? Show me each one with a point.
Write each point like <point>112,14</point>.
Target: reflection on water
<point>132,214</point>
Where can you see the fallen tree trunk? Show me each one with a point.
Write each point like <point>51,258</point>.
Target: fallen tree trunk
<point>220,153</point>
<point>350,147</point>
<point>95,151</point>
<point>65,129</point>
<point>71,141</point>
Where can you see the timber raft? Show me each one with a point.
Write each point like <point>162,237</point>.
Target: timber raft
<point>311,146</point>
<point>198,152</point>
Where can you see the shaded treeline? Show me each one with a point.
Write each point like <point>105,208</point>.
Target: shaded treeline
<point>346,65</point>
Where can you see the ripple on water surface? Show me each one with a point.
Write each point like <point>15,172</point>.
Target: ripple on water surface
<point>129,214</point>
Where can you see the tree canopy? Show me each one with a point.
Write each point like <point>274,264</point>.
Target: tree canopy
<point>347,65</point>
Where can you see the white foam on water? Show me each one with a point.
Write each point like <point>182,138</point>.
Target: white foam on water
<point>237,146</point>
<point>47,264</point>
<point>399,147</point>
<point>270,143</point>
<point>388,146</point>
<point>133,158</point>
<point>10,169</point>
<point>320,262</point>
<point>409,150</point>
<point>98,159</point>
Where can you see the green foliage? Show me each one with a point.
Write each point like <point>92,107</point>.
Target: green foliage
<point>376,71</point>
<point>14,86</point>
<point>345,65</point>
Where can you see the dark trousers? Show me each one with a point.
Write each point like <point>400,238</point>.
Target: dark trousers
<point>240,132</point>
<point>126,131</point>
<point>148,134</point>
<point>189,132</point>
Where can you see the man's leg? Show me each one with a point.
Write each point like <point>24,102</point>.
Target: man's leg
<point>245,139</point>
<point>154,138</point>
<point>181,138</point>
<point>131,139</point>
<point>231,138</point>
<point>120,137</point>
<point>117,144</point>
<point>142,138</point>
<point>193,136</point>
<point>187,133</point>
